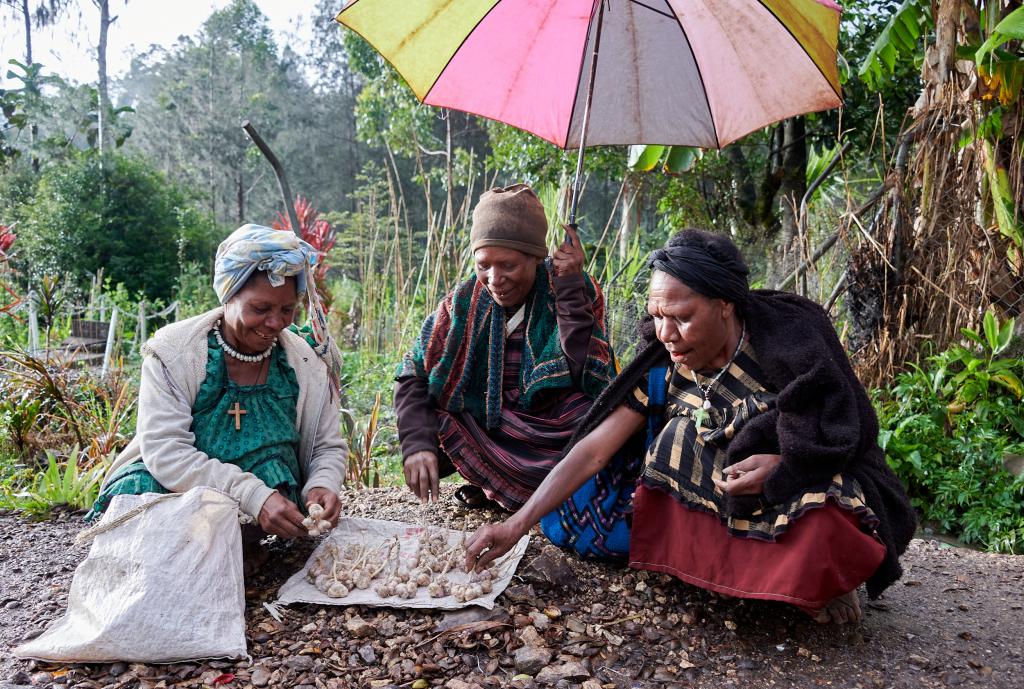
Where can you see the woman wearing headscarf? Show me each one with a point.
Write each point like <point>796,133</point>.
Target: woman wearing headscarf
<point>234,400</point>
<point>761,476</point>
<point>507,365</point>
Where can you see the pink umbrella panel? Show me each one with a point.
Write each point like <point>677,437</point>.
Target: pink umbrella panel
<point>673,72</point>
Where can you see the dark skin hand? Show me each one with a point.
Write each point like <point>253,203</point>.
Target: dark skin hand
<point>748,476</point>
<point>281,517</point>
<point>421,474</point>
<point>588,457</point>
<point>327,499</point>
<point>568,258</point>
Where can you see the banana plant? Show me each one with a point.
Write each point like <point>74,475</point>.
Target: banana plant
<point>900,39</point>
<point>673,160</point>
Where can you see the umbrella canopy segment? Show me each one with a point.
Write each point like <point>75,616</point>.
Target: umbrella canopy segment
<point>677,72</point>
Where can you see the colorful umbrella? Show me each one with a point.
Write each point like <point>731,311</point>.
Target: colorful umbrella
<point>595,72</point>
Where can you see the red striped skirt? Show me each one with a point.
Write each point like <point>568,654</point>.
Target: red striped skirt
<point>822,555</point>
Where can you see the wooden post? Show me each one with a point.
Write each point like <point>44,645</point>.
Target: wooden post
<point>142,327</point>
<point>33,323</point>
<point>109,350</point>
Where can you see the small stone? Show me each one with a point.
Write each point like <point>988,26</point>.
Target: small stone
<point>540,621</point>
<point>456,683</point>
<point>573,624</point>
<point>567,671</point>
<point>118,669</point>
<point>531,659</point>
<point>260,676</point>
<point>803,652</point>
<point>11,605</point>
<point>552,566</point>
<point>919,661</point>
<point>591,684</point>
<point>730,625</point>
<point>299,663</point>
<point>420,684</point>
<point>358,627</point>
<point>530,637</point>
<point>309,628</point>
<point>367,654</point>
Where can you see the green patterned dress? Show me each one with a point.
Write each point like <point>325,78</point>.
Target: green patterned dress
<point>266,445</point>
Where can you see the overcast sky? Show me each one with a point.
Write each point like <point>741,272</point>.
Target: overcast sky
<point>69,49</point>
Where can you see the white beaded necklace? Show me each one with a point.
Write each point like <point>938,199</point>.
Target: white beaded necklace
<point>232,352</point>
<point>705,390</point>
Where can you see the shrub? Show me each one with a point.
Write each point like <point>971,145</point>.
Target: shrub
<point>116,213</point>
<point>946,427</point>
<point>61,483</point>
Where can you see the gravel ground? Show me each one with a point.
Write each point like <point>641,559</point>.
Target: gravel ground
<point>955,619</point>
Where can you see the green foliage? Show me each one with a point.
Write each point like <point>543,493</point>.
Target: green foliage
<point>114,213</point>
<point>65,405</point>
<point>900,39</point>
<point>946,426</point>
<point>672,159</point>
<point>194,290</point>
<point>1010,28</point>
<point>61,483</point>
<point>370,426</point>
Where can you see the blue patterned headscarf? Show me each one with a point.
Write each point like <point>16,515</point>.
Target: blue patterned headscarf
<point>279,253</point>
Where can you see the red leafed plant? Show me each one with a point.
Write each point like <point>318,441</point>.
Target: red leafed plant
<point>313,229</point>
<point>7,238</point>
<point>321,236</point>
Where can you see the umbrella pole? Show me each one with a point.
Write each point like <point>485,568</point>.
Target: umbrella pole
<point>578,180</point>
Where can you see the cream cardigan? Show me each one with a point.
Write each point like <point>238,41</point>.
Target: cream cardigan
<point>174,366</point>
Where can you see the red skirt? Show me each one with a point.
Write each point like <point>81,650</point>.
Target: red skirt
<point>822,555</point>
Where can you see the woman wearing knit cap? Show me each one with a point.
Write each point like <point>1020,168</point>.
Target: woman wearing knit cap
<point>507,365</point>
<point>761,475</point>
<point>233,400</point>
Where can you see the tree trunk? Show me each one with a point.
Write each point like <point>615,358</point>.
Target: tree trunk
<point>102,87</point>
<point>28,31</point>
<point>33,129</point>
<point>240,198</point>
<point>629,219</point>
<point>794,176</point>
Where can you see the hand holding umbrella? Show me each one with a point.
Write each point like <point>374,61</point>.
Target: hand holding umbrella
<point>568,257</point>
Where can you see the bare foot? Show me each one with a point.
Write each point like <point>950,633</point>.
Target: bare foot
<point>842,610</point>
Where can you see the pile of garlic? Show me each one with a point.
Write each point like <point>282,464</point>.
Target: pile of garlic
<point>313,523</point>
<point>339,571</point>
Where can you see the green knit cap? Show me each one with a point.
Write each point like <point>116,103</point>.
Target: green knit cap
<point>511,217</point>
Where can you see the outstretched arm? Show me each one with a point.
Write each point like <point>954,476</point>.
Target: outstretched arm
<point>588,457</point>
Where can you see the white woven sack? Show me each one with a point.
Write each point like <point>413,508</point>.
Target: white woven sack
<point>162,584</point>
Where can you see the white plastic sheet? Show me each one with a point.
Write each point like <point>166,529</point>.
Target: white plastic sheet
<point>164,586</point>
<point>372,532</point>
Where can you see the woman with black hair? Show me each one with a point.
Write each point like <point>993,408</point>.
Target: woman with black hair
<point>761,476</point>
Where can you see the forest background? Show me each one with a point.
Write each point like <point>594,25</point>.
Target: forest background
<point>900,213</point>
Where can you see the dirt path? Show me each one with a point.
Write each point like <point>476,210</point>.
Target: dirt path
<point>956,619</point>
